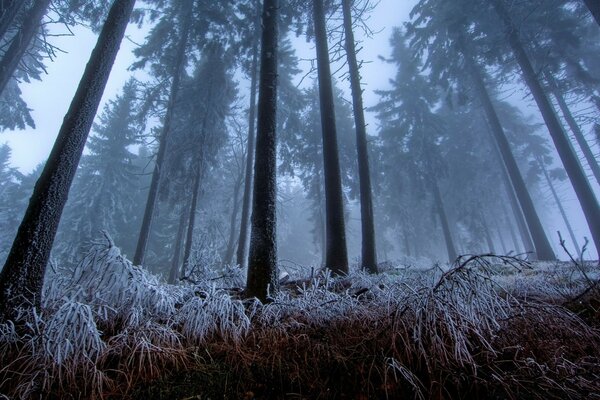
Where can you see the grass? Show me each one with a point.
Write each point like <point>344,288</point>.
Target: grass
<point>486,327</point>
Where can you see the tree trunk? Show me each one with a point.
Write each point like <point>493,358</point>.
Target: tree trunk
<point>177,247</point>
<point>583,144</point>
<point>337,255</point>
<point>560,207</point>
<point>594,6</point>
<point>189,238</point>
<point>501,238</point>
<point>515,208</point>
<point>487,234</point>
<point>369,253</point>
<point>511,228</point>
<point>542,246</point>
<point>8,11</point>
<point>180,61</point>
<point>22,277</point>
<point>584,192</point>
<point>262,260</point>
<point>244,220</point>
<point>439,206</point>
<point>20,43</point>
<point>234,213</point>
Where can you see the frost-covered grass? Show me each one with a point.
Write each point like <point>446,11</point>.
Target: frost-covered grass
<point>485,327</point>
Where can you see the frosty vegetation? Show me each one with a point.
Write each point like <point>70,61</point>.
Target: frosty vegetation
<point>481,325</point>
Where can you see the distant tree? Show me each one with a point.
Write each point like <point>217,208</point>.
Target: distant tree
<point>262,261</point>
<point>22,277</point>
<point>409,125</point>
<point>103,191</point>
<point>9,10</point>
<point>20,43</point>
<point>585,195</point>
<point>176,70</point>
<point>336,253</point>
<point>369,253</point>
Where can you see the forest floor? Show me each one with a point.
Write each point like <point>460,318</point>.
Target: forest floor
<point>485,327</point>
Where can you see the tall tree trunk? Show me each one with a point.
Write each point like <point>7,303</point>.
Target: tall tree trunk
<point>487,233</point>
<point>511,229</point>
<point>561,209</point>
<point>583,144</point>
<point>9,9</point>
<point>232,222</point>
<point>337,254</point>
<point>542,246</point>
<point>22,277</point>
<point>180,61</point>
<point>262,260</point>
<point>584,192</point>
<point>439,206</point>
<point>189,237</point>
<point>501,238</point>
<point>177,247</point>
<point>406,237</point>
<point>515,208</point>
<point>20,43</point>
<point>369,253</point>
<point>245,218</point>
<point>594,6</point>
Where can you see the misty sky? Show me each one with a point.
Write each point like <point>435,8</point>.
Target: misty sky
<point>51,97</point>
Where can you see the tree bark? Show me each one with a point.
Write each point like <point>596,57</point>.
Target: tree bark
<point>245,218</point>
<point>501,238</point>
<point>561,209</point>
<point>584,192</point>
<point>337,254</point>
<point>594,7</point>
<point>180,61</point>
<point>542,246</point>
<point>369,253</point>
<point>8,12</point>
<point>511,229</point>
<point>583,144</point>
<point>20,43</point>
<point>439,205</point>
<point>189,238</point>
<point>22,277</point>
<point>262,260</point>
<point>515,208</point>
<point>487,233</point>
<point>228,259</point>
<point>177,247</point>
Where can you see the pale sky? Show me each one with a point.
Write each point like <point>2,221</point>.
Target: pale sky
<point>51,97</point>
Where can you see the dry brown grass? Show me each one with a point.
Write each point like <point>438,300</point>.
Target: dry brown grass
<point>450,334</point>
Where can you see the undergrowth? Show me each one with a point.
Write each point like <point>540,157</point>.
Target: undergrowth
<point>108,329</point>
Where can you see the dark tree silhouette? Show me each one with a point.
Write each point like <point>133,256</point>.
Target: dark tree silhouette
<point>369,253</point>
<point>9,9</point>
<point>594,6</point>
<point>336,253</point>
<point>22,40</point>
<point>262,259</point>
<point>22,277</point>
<point>179,65</point>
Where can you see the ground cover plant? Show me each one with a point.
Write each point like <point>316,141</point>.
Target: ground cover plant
<point>483,327</point>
